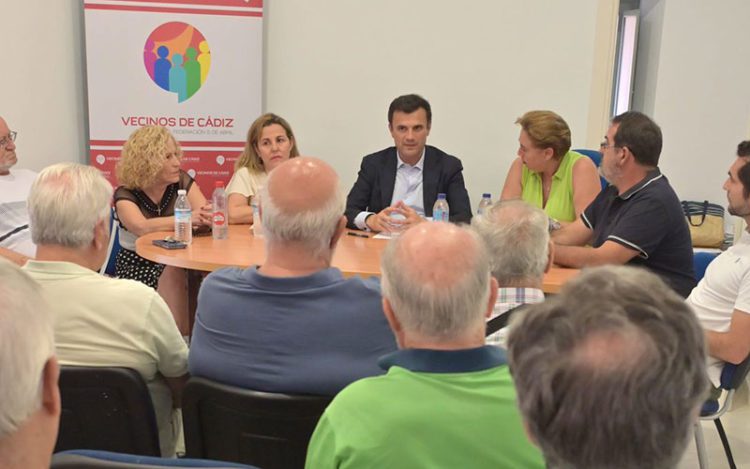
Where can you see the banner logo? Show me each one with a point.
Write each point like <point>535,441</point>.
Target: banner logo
<point>177,58</point>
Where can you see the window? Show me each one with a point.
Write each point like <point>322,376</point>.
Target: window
<point>627,44</point>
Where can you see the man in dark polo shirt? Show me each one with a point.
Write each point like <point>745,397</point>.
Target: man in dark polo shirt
<point>637,219</point>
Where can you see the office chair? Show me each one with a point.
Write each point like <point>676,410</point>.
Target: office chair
<point>701,259</point>
<point>108,267</point>
<point>501,321</point>
<point>596,157</point>
<point>228,423</point>
<point>732,376</point>
<point>106,408</point>
<point>88,459</point>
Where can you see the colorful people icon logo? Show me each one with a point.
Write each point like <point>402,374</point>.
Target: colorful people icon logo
<point>172,60</point>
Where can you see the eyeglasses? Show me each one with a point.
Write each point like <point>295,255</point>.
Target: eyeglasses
<point>604,145</point>
<point>11,137</point>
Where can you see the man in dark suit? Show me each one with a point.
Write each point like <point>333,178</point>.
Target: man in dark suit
<point>397,187</point>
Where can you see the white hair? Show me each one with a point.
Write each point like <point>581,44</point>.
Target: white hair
<point>26,343</point>
<point>517,237</point>
<point>66,202</point>
<point>435,309</point>
<point>313,228</point>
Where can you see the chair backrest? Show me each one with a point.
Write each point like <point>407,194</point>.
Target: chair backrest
<point>268,430</point>
<point>596,157</point>
<point>108,267</point>
<point>106,408</point>
<point>499,322</point>
<point>87,459</point>
<point>701,259</point>
<point>732,376</point>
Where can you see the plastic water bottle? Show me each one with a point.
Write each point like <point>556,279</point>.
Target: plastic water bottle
<point>484,203</point>
<point>440,211</point>
<point>219,225</point>
<point>183,214</point>
<point>257,222</point>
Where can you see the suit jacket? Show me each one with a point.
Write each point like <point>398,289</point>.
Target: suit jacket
<point>441,172</point>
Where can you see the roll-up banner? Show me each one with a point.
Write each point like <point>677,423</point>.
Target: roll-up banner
<point>193,66</point>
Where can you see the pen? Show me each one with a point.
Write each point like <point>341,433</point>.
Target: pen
<point>358,235</point>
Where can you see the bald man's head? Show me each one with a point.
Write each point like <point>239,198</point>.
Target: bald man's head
<point>302,184</point>
<point>302,203</point>
<point>437,253</point>
<point>437,278</point>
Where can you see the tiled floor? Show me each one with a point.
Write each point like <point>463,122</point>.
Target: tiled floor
<point>737,425</point>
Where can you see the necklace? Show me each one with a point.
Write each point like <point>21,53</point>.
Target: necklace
<point>150,206</point>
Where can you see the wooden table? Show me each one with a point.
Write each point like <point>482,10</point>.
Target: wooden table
<point>354,256</point>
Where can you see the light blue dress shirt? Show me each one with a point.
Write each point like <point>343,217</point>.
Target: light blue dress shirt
<point>408,187</point>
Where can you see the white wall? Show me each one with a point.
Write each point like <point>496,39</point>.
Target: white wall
<point>333,67</point>
<point>42,80</point>
<point>694,79</point>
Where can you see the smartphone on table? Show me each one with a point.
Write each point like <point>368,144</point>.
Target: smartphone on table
<point>169,243</point>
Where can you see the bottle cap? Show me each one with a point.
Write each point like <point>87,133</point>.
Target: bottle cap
<point>487,194</point>
<point>219,184</point>
<point>441,196</point>
<point>181,192</point>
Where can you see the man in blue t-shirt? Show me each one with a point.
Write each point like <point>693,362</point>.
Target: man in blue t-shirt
<point>637,219</point>
<point>293,324</point>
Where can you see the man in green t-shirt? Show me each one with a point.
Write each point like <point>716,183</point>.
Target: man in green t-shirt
<point>610,372</point>
<point>447,399</point>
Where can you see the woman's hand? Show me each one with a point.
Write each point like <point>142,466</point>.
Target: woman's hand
<point>203,216</point>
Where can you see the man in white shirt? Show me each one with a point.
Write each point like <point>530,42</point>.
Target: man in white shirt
<point>101,321</point>
<point>29,397</point>
<point>14,188</point>
<point>397,187</point>
<point>722,298</point>
<point>517,237</point>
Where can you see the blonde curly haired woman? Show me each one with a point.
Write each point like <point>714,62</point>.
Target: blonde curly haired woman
<point>150,175</point>
<point>270,141</point>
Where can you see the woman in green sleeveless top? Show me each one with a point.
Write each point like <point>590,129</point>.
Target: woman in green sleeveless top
<point>546,173</point>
